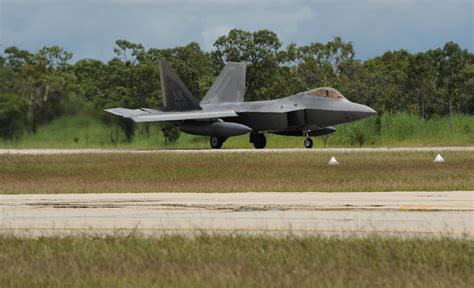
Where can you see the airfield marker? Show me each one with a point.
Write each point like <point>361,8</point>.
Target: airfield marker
<point>333,161</point>
<point>438,159</point>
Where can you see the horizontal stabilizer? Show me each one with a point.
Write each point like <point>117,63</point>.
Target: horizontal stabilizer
<point>126,113</point>
<point>151,115</point>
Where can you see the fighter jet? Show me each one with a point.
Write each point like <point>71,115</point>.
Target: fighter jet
<point>223,112</point>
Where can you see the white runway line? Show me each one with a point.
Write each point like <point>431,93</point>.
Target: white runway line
<point>279,150</point>
<point>448,214</point>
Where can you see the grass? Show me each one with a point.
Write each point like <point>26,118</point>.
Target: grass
<point>235,261</point>
<point>234,172</point>
<point>389,130</point>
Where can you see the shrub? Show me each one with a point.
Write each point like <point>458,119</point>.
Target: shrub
<point>170,132</point>
<point>13,114</point>
<point>358,136</point>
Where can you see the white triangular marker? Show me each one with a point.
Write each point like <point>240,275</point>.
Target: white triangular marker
<point>333,161</point>
<point>438,158</point>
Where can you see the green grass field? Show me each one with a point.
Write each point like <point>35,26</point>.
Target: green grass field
<point>234,172</point>
<point>82,131</point>
<point>235,261</point>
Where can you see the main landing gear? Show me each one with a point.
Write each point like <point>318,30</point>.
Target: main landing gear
<point>308,142</point>
<point>258,139</point>
<point>216,142</point>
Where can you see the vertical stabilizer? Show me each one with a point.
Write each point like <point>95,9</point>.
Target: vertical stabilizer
<point>176,97</point>
<point>229,86</point>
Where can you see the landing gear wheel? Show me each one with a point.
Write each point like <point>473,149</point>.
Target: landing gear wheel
<point>216,142</point>
<point>258,139</point>
<point>308,143</point>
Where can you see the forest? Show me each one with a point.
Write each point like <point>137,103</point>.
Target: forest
<point>37,87</point>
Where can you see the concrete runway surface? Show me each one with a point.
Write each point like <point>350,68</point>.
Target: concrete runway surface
<point>272,150</point>
<point>426,214</point>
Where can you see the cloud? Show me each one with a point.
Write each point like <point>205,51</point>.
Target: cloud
<point>210,34</point>
<point>284,19</point>
<point>89,28</point>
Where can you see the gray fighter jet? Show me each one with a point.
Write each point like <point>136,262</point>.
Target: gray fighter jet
<point>223,113</point>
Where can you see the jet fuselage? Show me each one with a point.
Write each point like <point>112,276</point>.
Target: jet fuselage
<point>298,112</point>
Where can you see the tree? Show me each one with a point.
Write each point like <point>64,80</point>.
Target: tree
<point>260,50</point>
<point>52,61</point>
<point>324,64</point>
<point>16,58</point>
<point>89,74</point>
<point>451,76</point>
<point>421,80</point>
<point>467,91</point>
<point>12,115</point>
<point>128,52</point>
<point>39,75</point>
<point>380,82</point>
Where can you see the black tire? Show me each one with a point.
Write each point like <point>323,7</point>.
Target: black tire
<point>259,141</point>
<point>308,143</point>
<point>216,142</point>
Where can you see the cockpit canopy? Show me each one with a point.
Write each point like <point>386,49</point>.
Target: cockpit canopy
<point>325,92</point>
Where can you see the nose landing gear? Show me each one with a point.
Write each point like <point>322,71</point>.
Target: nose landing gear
<point>308,142</point>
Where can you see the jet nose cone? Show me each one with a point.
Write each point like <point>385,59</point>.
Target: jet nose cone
<point>367,110</point>
<point>360,111</point>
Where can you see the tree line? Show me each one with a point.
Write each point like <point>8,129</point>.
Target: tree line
<point>37,87</point>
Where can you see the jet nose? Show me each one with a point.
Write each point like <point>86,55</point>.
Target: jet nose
<point>360,111</point>
<point>367,110</point>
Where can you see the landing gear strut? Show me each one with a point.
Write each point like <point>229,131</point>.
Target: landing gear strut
<point>216,142</point>
<point>258,139</point>
<point>308,142</point>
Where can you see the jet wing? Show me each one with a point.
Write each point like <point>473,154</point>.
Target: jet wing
<point>152,115</point>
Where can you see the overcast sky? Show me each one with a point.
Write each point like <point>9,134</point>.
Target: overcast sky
<point>89,28</point>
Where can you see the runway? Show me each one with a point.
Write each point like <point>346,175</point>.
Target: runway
<point>271,150</point>
<point>425,214</point>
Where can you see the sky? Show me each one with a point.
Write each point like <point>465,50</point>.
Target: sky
<point>89,28</point>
